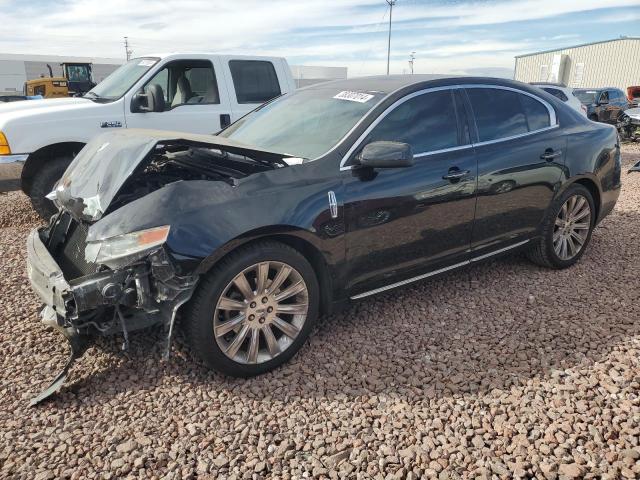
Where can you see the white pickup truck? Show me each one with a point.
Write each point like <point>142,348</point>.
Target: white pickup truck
<point>197,93</point>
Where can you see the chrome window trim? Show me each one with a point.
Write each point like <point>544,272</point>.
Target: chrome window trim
<point>436,272</point>
<point>553,120</point>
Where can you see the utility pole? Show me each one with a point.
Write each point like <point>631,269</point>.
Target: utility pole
<point>412,57</point>
<point>127,50</point>
<point>391,4</point>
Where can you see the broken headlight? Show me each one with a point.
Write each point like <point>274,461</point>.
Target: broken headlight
<point>126,248</point>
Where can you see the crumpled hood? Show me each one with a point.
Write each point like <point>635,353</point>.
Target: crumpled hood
<point>97,173</point>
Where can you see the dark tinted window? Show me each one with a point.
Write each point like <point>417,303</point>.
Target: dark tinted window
<point>255,81</point>
<point>556,93</point>
<point>498,113</point>
<point>503,113</point>
<point>426,122</point>
<point>536,113</point>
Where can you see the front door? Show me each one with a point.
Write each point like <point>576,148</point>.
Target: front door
<point>194,102</point>
<point>520,156</point>
<point>402,222</point>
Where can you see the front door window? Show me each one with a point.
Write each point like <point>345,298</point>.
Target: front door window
<point>187,82</point>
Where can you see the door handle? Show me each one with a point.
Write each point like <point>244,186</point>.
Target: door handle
<point>550,154</point>
<point>225,120</point>
<point>455,174</point>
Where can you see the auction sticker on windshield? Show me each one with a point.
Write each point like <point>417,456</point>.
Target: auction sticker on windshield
<point>146,63</point>
<point>354,96</point>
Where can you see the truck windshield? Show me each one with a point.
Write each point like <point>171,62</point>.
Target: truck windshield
<point>587,97</point>
<point>121,80</point>
<point>307,123</point>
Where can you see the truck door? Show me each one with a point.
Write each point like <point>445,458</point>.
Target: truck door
<point>194,95</point>
<point>251,82</point>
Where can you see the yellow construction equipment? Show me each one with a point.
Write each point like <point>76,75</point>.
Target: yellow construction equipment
<point>76,80</point>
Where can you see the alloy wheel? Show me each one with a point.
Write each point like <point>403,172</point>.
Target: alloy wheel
<point>572,227</point>
<point>261,312</point>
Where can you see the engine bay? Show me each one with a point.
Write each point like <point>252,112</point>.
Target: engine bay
<point>169,164</point>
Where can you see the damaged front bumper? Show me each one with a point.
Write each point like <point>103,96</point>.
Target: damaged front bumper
<point>148,292</point>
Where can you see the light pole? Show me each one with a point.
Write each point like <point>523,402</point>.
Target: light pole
<point>127,50</point>
<point>412,57</point>
<point>391,4</point>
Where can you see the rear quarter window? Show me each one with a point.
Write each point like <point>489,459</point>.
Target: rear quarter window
<point>255,81</point>
<point>557,93</point>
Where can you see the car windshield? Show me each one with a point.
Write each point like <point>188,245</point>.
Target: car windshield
<point>305,124</point>
<point>122,79</point>
<point>586,96</point>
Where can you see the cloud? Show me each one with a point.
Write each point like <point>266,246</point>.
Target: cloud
<point>449,35</point>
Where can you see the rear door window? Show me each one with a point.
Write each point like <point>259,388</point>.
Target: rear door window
<point>255,81</point>
<point>535,112</point>
<point>426,122</point>
<point>504,113</point>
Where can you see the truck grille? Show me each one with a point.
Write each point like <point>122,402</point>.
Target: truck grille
<point>71,254</point>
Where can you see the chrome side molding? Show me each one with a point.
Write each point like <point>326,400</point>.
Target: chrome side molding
<point>436,272</point>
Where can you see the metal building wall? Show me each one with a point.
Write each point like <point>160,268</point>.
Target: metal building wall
<point>614,63</point>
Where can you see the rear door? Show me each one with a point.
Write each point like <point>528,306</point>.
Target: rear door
<point>252,82</point>
<point>195,98</point>
<point>520,152</point>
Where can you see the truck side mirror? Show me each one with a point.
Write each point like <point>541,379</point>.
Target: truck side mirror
<point>151,100</point>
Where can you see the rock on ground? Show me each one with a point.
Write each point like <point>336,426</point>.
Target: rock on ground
<point>500,370</point>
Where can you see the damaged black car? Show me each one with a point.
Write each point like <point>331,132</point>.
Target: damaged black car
<point>334,193</point>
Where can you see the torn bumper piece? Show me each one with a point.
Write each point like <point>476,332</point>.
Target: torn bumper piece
<point>104,302</point>
<point>78,345</point>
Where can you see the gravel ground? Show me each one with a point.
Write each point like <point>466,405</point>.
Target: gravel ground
<point>497,371</point>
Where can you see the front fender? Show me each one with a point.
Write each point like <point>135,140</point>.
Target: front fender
<point>208,218</point>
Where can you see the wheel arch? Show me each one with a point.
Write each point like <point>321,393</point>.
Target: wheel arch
<point>37,158</point>
<point>593,187</point>
<point>297,238</point>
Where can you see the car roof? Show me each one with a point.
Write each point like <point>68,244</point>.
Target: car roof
<point>549,84</point>
<point>387,84</point>
<point>598,88</point>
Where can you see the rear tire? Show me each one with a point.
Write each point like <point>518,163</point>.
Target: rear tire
<point>253,333</point>
<point>567,219</point>
<point>43,183</point>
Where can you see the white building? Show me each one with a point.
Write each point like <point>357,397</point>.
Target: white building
<point>609,63</point>
<point>16,69</point>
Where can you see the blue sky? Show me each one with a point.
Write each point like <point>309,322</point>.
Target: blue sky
<point>448,36</point>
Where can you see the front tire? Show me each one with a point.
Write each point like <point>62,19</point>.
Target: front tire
<point>254,310</point>
<point>566,230</point>
<point>43,183</point>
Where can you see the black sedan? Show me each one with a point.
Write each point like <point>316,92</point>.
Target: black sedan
<point>333,193</point>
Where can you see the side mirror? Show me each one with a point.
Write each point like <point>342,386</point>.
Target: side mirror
<point>386,155</point>
<point>150,101</point>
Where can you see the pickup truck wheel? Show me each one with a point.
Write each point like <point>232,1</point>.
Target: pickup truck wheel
<point>254,310</point>
<point>566,230</point>
<point>43,183</point>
